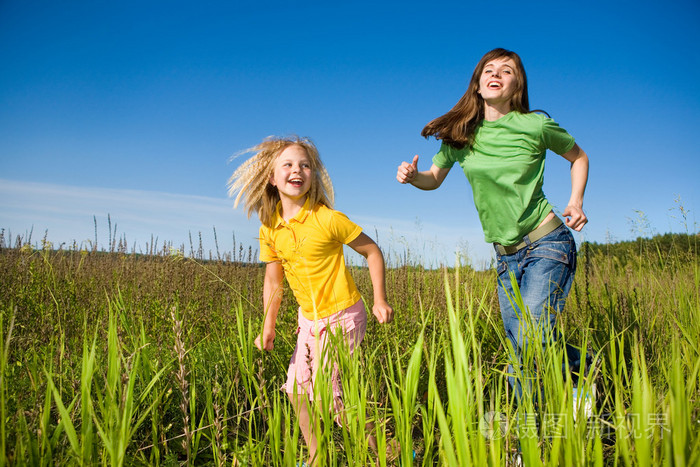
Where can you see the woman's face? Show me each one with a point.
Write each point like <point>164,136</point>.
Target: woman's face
<point>497,82</point>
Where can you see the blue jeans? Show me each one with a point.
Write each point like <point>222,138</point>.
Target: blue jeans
<point>544,271</point>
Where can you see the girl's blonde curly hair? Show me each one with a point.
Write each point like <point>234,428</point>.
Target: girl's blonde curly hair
<point>252,179</point>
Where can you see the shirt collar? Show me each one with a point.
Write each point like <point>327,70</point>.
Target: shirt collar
<point>300,216</point>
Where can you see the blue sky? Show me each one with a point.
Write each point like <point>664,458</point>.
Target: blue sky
<point>133,109</point>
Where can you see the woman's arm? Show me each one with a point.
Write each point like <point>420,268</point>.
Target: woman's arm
<point>367,248</point>
<point>272,298</point>
<point>575,217</point>
<point>428,180</point>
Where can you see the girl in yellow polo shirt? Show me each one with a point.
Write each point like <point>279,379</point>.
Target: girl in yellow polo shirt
<point>302,238</point>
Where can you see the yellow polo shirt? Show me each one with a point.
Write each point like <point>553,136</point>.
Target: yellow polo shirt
<point>310,249</point>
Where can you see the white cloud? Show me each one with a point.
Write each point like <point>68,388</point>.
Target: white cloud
<point>429,244</point>
<point>68,214</point>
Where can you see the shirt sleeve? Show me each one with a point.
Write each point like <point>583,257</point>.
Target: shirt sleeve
<point>267,248</point>
<point>445,158</point>
<point>342,228</point>
<point>556,138</point>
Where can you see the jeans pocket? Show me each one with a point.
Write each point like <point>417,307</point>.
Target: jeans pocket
<point>501,266</point>
<point>554,263</point>
<point>557,251</point>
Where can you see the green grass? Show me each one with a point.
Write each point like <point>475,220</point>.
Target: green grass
<point>124,359</point>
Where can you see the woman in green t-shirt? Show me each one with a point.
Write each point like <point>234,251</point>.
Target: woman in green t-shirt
<point>501,147</point>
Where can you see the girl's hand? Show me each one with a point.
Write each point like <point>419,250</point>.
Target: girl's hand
<point>265,343</point>
<point>575,217</point>
<point>407,172</point>
<point>383,312</point>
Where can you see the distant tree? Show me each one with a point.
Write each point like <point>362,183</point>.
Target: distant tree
<point>661,247</point>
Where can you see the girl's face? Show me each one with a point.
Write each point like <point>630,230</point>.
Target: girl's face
<point>497,82</point>
<point>292,173</point>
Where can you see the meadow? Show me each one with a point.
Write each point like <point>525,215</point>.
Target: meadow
<point>117,358</point>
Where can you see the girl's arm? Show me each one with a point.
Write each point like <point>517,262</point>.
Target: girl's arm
<point>428,180</point>
<point>272,297</point>
<point>367,248</point>
<point>575,217</point>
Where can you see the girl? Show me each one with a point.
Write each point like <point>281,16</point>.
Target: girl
<point>501,147</point>
<point>302,238</point>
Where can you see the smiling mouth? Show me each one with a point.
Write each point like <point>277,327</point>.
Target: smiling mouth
<point>297,182</point>
<point>493,85</point>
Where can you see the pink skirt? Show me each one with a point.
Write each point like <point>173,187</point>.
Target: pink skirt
<point>310,351</point>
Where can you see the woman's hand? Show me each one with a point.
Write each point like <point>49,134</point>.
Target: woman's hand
<point>575,217</point>
<point>426,180</point>
<point>407,172</point>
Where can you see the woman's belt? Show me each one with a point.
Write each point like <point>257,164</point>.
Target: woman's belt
<point>532,237</point>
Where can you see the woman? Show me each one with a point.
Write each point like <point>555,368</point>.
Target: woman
<point>501,147</point>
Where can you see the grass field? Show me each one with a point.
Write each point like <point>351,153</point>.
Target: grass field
<point>147,359</point>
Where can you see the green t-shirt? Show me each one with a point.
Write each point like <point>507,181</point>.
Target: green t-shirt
<point>505,168</point>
